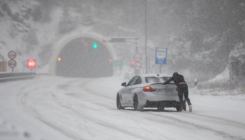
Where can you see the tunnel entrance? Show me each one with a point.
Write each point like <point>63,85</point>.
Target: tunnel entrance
<point>84,57</point>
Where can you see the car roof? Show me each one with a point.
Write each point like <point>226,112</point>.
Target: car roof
<point>154,75</point>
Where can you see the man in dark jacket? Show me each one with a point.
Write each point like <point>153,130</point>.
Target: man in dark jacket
<point>182,89</point>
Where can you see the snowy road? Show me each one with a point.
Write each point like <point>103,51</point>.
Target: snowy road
<point>51,108</point>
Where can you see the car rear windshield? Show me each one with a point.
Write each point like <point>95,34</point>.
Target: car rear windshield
<point>156,79</point>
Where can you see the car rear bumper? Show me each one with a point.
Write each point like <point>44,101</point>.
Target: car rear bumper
<point>149,99</point>
<point>162,103</point>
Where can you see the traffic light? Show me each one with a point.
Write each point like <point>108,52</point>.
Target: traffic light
<point>95,46</point>
<point>132,63</point>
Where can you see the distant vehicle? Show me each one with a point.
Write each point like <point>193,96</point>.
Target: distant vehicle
<point>147,90</point>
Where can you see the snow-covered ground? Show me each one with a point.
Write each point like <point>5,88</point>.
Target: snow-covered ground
<point>56,108</point>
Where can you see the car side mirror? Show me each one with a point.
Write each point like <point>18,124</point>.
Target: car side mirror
<point>123,84</point>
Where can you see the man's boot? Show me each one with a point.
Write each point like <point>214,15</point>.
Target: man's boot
<point>190,108</point>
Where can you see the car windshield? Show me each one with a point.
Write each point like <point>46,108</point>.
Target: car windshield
<point>153,79</point>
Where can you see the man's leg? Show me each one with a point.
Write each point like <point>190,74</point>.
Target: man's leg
<point>186,96</point>
<point>180,93</point>
<point>187,99</point>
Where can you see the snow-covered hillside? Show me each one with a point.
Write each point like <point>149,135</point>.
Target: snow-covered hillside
<point>199,45</point>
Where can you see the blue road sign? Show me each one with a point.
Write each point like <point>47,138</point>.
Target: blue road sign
<point>161,55</point>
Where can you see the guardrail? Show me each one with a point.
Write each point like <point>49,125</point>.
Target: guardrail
<point>4,77</point>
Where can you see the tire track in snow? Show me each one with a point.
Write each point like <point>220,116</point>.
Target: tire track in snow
<point>31,109</point>
<point>220,133</point>
<point>98,121</point>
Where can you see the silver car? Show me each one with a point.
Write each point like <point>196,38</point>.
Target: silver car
<point>147,90</point>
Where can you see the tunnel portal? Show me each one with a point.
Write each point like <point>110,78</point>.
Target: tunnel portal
<point>84,57</point>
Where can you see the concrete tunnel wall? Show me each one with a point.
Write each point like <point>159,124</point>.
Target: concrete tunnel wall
<point>53,63</point>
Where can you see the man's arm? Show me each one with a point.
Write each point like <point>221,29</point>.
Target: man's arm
<point>168,81</point>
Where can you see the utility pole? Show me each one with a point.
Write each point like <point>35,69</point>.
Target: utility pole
<point>146,66</point>
<point>3,64</point>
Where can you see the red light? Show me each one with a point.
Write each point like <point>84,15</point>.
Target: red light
<point>149,89</point>
<point>132,63</point>
<point>31,63</point>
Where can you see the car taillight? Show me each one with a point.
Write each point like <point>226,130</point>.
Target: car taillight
<point>177,89</point>
<point>149,89</point>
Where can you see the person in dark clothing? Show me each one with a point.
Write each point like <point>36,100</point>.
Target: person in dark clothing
<point>182,89</point>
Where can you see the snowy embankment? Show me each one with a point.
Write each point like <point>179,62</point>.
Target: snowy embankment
<point>49,108</point>
<point>222,85</point>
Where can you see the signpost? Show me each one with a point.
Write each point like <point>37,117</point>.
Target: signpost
<point>12,55</point>
<point>137,66</point>
<point>31,63</point>
<point>137,57</point>
<point>12,63</point>
<point>136,62</point>
<point>161,56</point>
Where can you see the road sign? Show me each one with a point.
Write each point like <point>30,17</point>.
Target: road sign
<point>118,63</point>
<point>12,63</point>
<point>12,54</point>
<point>161,55</point>
<point>137,66</point>
<point>137,57</point>
<point>31,63</point>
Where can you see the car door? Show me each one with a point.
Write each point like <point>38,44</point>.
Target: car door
<point>131,87</point>
<point>126,91</point>
<point>134,88</point>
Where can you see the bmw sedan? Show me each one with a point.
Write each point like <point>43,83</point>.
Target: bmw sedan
<point>147,90</point>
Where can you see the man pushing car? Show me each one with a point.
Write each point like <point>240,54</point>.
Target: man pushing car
<point>182,89</point>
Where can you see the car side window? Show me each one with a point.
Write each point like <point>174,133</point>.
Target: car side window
<point>132,81</point>
<point>139,81</point>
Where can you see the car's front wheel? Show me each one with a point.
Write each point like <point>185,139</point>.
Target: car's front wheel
<point>136,104</point>
<point>119,106</point>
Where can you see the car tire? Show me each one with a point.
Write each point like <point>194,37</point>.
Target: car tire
<point>119,106</point>
<point>160,108</point>
<point>136,104</point>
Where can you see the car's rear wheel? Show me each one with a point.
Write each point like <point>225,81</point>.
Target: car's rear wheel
<point>119,106</point>
<point>160,108</point>
<point>136,104</point>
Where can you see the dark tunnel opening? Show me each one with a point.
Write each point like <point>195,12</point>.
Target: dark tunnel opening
<point>84,57</point>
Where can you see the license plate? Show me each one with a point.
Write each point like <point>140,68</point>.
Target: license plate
<point>161,90</point>
<point>165,90</point>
